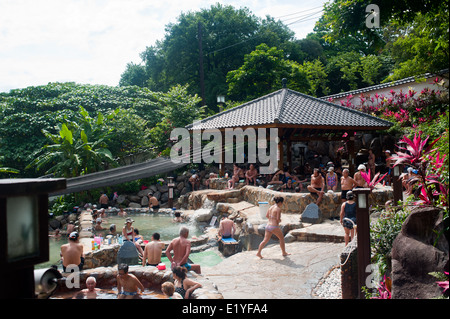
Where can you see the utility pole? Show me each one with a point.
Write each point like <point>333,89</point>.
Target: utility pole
<point>200,56</point>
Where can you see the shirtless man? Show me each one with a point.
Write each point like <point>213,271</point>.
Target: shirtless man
<point>103,201</point>
<point>153,203</point>
<point>153,251</point>
<point>347,184</point>
<point>272,227</point>
<point>226,228</point>
<point>90,292</point>
<point>251,174</point>
<point>359,180</point>
<point>72,253</point>
<point>127,284</point>
<point>317,185</point>
<point>181,248</point>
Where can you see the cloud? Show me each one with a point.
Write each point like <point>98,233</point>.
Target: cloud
<point>91,41</point>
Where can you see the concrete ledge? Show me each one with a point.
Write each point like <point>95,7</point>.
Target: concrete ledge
<point>328,231</point>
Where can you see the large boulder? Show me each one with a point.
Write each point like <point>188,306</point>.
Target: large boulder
<point>128,254</point>
<point>203,215</point>
<point>312,214</point>
<point>417,251</point>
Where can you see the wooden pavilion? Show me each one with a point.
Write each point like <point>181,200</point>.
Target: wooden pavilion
<point>298,117</point>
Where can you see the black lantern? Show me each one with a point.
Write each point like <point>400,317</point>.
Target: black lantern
<point>23,232</point>
<point>221,102</point>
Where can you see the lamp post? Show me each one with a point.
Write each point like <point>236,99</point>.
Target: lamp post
<point>397,183</point>
<point>171,186</point>
<point>23,232</point>
<point>363,238</point>
<point>221,102</point>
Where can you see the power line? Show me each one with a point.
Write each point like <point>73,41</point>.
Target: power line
<point>301,19</point>
<point>304,18</point>
<point>303,11</point>
<point>301,16</point>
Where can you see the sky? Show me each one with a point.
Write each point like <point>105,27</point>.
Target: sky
<point>91,41</point>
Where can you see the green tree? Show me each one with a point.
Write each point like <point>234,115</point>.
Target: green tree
<point>370,68</point>
<point>262,72</point>
<point>134,74</point>
<point>420,46</point>
<point>227,35</point>
<point>180,109</point>
<point>315,72</point>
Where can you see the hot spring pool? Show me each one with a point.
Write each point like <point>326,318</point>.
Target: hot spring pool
<point>103,293</point>
<point>146,223</point>
<point>149,223</point>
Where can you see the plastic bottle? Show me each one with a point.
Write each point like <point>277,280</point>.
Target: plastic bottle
<point>93,245</point>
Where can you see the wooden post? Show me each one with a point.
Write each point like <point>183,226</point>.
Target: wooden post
<point>351,153</point>
<point>222,156</point>
<point>289,154</point>
<point>397,183</point>
<point>363,237</point>
<point>280,148</point>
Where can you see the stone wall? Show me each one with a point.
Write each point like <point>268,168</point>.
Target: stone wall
<point>294,203</point>
<point>161,190</point>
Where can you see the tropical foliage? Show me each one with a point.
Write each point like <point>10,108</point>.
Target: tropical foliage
<point>78,148</point>
<point>72,129</point>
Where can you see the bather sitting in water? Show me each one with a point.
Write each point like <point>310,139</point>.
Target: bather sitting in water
<point>178,218</point>
<point>127,284</point>
<point>183,285</point>
<point>90,292</point>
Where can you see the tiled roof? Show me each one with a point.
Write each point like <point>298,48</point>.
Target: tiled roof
<point>294,109</point>
<point>384,85</point>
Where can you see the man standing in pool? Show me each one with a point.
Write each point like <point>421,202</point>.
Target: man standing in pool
<point>127,284</point>
<point>181,247</point>
<point>153,251</point>
<point>272,227</point>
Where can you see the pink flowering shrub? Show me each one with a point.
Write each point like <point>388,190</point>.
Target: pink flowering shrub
<point>406,109</point>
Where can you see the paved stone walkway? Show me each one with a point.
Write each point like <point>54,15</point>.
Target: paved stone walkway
<point>245,276</point>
